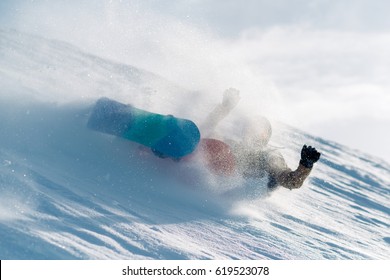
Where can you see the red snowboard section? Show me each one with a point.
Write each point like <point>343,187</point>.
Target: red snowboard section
<point>218,156</point>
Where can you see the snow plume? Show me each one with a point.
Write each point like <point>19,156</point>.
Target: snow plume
<point>198,64</point>
<point>58,133</point>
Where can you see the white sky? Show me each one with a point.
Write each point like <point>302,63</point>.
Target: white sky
<point>328,60</point>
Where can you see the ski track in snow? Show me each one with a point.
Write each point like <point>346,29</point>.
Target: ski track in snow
<point>70,193</point>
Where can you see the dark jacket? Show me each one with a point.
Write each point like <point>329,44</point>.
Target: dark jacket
<point>252,163</point>
<point>256,163</point>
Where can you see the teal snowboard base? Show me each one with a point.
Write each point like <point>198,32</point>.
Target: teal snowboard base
<point>166,135</point>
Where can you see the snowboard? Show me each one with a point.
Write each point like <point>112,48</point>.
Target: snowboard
<point>165,135</point>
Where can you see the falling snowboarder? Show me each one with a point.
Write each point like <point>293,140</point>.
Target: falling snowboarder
<point>171,137</point>
<point>253,159</point>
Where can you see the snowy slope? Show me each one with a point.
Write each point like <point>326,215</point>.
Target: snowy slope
<point>70,193</point>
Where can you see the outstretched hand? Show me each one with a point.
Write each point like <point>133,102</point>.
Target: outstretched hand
<point>230,99</point>
<point>309,156</point>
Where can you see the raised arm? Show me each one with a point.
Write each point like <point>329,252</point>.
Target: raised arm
<point>294,179</point>
<point>230,99</point>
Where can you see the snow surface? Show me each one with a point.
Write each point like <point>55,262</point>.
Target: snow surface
<point>67,192</point>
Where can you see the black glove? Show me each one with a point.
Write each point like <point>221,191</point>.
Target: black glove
<point>309,156</point>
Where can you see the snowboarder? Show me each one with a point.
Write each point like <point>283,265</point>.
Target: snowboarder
<point>254,159</point>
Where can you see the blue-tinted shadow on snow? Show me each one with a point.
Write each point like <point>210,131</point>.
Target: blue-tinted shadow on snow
<point>317,228</point>
<point>96,222</point>
<point>16,242</point>
<point>350,195</point>
<point>365,178</point>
